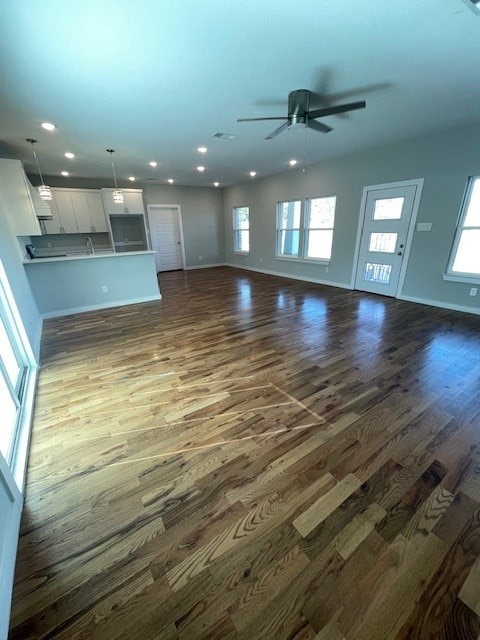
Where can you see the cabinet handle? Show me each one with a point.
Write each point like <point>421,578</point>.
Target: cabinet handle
<point>62,229</point>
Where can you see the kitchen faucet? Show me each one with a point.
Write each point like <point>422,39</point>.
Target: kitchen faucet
<point>89,243</point>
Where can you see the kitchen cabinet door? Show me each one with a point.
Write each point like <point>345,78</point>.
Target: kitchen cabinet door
<point>55,225</point>
<point>81,211</point>
<point>65,211</point>
<point>133,202</point>
<point>98,218</point>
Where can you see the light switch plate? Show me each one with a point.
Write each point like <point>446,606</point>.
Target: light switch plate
<point>424,226</point>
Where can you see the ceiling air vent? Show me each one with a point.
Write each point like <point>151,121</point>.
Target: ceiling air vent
<point>225,136</point>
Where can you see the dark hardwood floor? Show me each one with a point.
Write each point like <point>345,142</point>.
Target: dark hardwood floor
<point>256,458</point>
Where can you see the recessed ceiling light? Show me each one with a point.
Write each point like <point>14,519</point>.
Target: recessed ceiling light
<point>253,173</point>
<point>200,169</point>
<point>152,163</point>
<point>202,149</point>
<point>65,173</point>
<point>292,163</point>
<point>131,178</point>
<point>48,126</point>
<point>170,180</point>
<point>216,184</point>
<point>69,155</point>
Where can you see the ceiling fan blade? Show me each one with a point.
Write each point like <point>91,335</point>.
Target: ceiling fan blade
<point>318,126</point>
<point>277,131</point>
<point>253,119</point>
<point>341,108</point>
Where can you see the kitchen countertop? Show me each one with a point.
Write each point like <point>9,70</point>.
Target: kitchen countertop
<point>86,256</point>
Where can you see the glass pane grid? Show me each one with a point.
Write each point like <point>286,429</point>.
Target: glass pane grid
<point>378,273</point>
<point>383,242</point>
<point>288,214</point>
<point>467,258</point>
<point>288,242</point>
<point>319,243</point>
<point>321,213</point>
<point>388,209</point>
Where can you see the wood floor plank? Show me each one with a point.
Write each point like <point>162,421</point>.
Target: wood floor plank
<point>253,457</point>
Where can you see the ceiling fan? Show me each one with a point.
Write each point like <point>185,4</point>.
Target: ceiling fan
<point>299,115</point>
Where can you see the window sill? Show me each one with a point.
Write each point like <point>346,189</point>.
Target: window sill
<point>304,260</point>
<point>456,277</point>
<point>241,253</point>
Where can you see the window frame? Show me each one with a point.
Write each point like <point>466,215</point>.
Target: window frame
<point>303,230</point>
<point>278,229</point>
<point>236,229</point>
<point>459,276</point>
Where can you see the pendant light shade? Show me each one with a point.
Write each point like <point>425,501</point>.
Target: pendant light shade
<point>117,193</point>
<point>44,191</point>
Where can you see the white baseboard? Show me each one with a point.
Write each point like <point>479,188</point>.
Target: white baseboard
<point>205,266</point>
<point>441,305</point>
<point>341,285</point>
<point>99,307</point>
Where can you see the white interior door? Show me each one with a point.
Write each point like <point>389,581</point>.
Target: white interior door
<point>385,236</point>
<point>166,236</point>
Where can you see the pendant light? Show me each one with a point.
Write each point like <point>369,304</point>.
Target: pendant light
<point>44,191</point>
<point>117,193</point>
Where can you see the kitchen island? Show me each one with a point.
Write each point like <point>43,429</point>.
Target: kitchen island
<point>79,282</point>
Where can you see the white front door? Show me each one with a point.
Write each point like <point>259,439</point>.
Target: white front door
<point>387,218</point>
<point>166,236</point>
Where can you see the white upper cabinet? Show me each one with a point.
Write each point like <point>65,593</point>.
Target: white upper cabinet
<point>76,211</point>
<point>16,188</point>
<point>97,213</point>
<point>133,202</point>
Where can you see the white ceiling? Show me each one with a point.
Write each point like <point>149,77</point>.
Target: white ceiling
<point>155,79</point>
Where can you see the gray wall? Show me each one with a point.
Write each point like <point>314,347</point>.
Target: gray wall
<point>202,218</point>
<point>72,286</point>
<point>445,161</point>
<point>202,213</point>
<point>11,257</point>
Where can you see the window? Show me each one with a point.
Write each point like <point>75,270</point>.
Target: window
<point>306,233</point>
<point>465,257</point>
<point>241,229</point>
<point>13,370</point>
<point>288,228</point>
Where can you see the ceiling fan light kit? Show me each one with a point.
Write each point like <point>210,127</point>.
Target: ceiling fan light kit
<point>300,116</point>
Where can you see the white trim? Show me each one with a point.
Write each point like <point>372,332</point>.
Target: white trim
<point>24,434</point>
<point>204,266</point>
<point>180,227</point>
<point>341,285</point>
<point>99,307</point>
<point>441,305</point>
<point>417,182</point>
<point>450,277</point>
<point>324,261</point>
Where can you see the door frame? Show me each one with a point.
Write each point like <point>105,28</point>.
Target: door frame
<point>180,227</point>
<point>418,183</point>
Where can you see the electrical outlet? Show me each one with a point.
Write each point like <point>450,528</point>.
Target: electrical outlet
<point>473,291</point>
<point>105,288</point>
<point>200,257</point>
<point>261,259</point>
